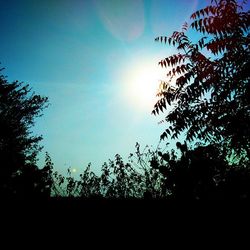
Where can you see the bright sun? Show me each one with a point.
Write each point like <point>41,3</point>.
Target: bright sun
<point>142,83</point>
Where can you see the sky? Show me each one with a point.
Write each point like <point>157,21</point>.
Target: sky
<point>97,62</point>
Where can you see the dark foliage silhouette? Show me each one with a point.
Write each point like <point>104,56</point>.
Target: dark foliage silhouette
<point>202,173</point>
<point>20,177</point>
<point>118,180</point>
<point>208,87</point>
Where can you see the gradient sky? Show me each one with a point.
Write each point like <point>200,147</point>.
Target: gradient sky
<point>89,58</point>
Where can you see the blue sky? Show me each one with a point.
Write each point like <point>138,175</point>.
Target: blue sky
<point>88,58</point>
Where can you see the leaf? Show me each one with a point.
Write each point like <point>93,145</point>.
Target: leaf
<point>163,136</point>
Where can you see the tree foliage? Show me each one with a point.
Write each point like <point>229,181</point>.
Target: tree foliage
<point>204,173</point>
<point>118,180</point>
<point>18,146</point>
<point>201,173</point>
<point>208,80</point>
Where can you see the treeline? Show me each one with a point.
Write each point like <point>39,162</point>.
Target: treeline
<point>201,173</point>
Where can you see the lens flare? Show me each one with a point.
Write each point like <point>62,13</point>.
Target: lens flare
<point>123,19</point>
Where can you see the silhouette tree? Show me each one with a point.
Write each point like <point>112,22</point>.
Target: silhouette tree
<point>208,81</point>
<point>118,180</point>
<point>18,147</point>
<point>203,173</point>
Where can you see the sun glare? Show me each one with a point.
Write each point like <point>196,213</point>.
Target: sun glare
<point>142,84</point>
